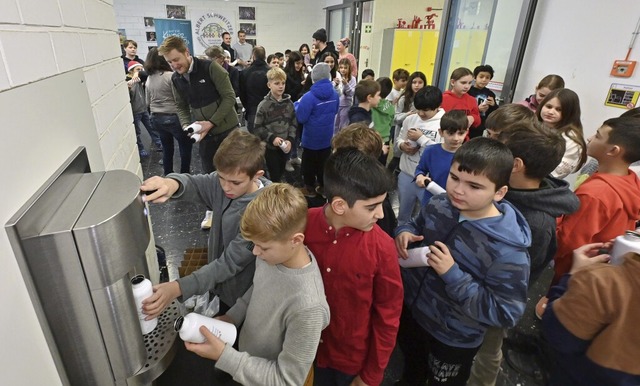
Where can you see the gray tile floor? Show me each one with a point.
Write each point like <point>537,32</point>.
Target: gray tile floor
<point>176,227</point>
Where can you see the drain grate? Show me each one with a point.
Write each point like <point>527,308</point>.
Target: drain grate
<point>160,345</point>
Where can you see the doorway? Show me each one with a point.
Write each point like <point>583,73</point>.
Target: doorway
<point>490,32</point>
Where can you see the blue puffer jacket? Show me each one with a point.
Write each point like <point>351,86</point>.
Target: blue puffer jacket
<point>487,285</point>
<point>317,110</point>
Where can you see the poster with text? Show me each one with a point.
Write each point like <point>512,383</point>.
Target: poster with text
<point>209,26</point>
<point>170,27</point>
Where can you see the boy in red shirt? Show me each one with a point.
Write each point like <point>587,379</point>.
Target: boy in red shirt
<point>360,271</point>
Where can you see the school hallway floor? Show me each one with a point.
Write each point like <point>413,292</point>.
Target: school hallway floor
<point>176,227</point>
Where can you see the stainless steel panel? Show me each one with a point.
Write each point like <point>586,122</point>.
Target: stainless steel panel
<point>113,232</point>
<point>69,310</point>
<point>120,327</point>
<point>77,241</point>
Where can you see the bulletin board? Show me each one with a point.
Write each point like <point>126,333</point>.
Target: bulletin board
<point>624,96</point>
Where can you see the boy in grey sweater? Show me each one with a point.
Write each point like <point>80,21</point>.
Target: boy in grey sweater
<point>285,310</point>
<point>228,191</point>
<point>276,123</point>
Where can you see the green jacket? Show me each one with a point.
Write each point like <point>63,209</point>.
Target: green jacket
<point>206,96</point>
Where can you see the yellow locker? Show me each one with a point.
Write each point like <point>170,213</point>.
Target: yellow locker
<point>406,44</point>
<point>428,49</point>
<point>477,41</point>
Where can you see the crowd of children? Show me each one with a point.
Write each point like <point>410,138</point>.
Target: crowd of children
<point>319,293</point>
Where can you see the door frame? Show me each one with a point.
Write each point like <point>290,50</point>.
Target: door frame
<point>514,64</point>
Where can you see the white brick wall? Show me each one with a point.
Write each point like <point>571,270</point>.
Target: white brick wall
<point>62,79</point>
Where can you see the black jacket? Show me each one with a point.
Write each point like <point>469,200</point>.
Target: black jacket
<point>329,48</point>
<point>253,85</point>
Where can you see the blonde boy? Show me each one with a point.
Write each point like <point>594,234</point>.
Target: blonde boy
<point>285,310</point>
<point>275,123</point>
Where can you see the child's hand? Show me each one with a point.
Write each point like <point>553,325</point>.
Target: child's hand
<point>414,134</point>
<point>407,148</point>
<point>385,149</point>
<point>163,294</point>
<point>277,141</point>
<point>403,240</point>
<point>161,189</point>
<point>490,101</point>
<point>483,107</point>
<point>422,181</point>
<point>440,258</point>
<point>212,348</point>
<point>589,254</point>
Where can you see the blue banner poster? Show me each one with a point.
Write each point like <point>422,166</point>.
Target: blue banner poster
<point>170,27</point>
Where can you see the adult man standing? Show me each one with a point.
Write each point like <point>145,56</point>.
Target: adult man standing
<point>202,89</point>
<point>243,50</point>
<point>253,85</point>
<point>226,45</point>
<point>320,41</point>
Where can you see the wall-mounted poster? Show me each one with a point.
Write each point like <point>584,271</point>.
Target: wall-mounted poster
<point>209,27</point>
<point>151,36</point>
<point>170,27</point>
<point>122,34</point>
<point>247,13</point>
<point>176,12</point>
<point>148,21</point>
<point>248,28</point>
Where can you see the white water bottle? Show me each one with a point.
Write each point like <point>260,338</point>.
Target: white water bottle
<point>142,289</point>
<point>628,242</point>
<point>417,258</point>
<point>195,138</point>
<point>189,328</point>
<point>193,128</point>
<point>434,188</point>
<point>283,146</point>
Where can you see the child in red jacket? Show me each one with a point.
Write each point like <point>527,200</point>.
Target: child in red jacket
<point>457,98</point>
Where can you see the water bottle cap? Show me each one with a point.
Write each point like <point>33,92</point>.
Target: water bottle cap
<point>634,235</point>
<point>177,324</point>
<point>137,279</point>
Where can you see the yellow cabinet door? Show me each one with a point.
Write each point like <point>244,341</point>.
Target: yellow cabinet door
<point>428,48</point>
<point>406,47</point>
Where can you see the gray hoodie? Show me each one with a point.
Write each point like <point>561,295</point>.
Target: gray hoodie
<point>229,273</point>
<point>540,207</point>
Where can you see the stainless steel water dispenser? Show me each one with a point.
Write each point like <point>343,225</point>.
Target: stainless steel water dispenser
<point>79,240</point>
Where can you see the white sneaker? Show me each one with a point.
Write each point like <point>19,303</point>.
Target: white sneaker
<point>289,167</point>
<point>296,161</point>
<point>206,222</point>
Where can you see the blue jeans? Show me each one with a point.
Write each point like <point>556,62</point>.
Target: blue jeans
<point>168,127</point>
<point>143,118</point>
<point>408,194</point>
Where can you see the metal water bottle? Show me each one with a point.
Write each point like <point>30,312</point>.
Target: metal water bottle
<point>628,242</point>
<point>142,289</point>
<point>193,128</point>
<point>188,327</point>
<point>434,188</point>
<point>195,138</point>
